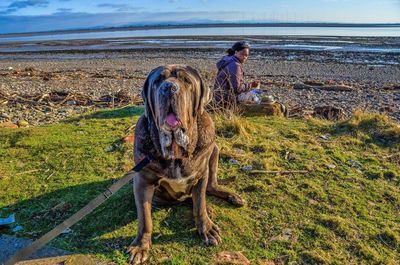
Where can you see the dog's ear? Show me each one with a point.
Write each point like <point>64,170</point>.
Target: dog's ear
<point>146,92</point>
<point>202,91</point>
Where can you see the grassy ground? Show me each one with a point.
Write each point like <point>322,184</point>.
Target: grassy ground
<point>344,210</point>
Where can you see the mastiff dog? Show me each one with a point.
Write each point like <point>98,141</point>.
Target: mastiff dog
<point>179,134</point>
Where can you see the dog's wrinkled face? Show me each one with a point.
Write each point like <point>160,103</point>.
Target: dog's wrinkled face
<point>174,95</point>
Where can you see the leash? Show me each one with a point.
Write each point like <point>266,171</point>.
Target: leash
<point>93,204</point>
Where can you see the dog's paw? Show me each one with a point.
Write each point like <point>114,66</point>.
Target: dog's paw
<point>138,254</point>
<point>209,232</point>
<point>139,250</point>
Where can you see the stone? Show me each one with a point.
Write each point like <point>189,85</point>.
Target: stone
<point>233,161</point>
<point>5,115</point>
<point>247,168</point>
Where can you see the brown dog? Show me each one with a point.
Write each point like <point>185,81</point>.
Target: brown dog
<point>180,134</point>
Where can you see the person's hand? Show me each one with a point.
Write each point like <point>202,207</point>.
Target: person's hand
<point>255,84</point>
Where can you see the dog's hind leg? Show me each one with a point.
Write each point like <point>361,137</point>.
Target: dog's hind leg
<point>208,230</point>
<point>213,188</point>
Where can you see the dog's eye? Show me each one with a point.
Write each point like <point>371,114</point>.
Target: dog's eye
<point>187,80</point>
<point>183,77</point>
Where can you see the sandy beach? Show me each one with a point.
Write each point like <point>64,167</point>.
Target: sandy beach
<point>373,87</point>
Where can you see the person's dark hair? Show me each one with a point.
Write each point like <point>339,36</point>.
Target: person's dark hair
<point>238,46</point>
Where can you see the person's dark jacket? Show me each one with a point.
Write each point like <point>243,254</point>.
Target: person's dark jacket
<point>230,78</point>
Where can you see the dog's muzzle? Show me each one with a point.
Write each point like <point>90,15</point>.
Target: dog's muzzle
<point>169,88</point>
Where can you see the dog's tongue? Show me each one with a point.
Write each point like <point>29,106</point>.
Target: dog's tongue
<point>171,120</point>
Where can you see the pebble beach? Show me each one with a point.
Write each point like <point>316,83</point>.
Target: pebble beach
<point>371,87</point>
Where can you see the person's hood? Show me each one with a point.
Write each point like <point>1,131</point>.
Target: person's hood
<point>225,61</point>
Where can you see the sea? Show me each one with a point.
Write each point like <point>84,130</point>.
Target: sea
<point>353,39</point>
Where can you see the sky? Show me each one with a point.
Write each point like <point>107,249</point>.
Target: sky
<point>45,15</point>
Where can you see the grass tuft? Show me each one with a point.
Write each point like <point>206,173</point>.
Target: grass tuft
<point>377,127</point>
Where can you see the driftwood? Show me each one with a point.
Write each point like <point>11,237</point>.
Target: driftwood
<point>324,87</point>
<point>279,172</point>
<point>391,87</point>
<point>58,98</point>
<point>268,109</point>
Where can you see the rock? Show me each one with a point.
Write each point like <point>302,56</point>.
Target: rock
<point>355,164</point>
<point>5,116</point>
<point>70,102</point>
<point>330,166</point>
<point>233,161</point>
<point>8,125</point>
<point>247,168</point>
<point>239,151</point>
<point>288,235</point>
<point>326,136</point>
<point>23,123</point>
<point>228,257</point>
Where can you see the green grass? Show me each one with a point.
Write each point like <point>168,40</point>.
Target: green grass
<point>344,211</point>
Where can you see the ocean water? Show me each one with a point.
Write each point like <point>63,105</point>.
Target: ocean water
<point>382,41</point>
<point>218,31</point>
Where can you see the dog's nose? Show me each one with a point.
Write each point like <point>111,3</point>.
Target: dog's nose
<point>169,88</point>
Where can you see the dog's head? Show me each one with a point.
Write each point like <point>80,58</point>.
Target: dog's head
<point>174,96</point>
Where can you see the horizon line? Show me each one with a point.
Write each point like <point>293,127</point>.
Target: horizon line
<point>167,25</point>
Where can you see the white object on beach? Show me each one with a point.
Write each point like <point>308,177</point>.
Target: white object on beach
<point>10,68</point>
<point>249,96</point>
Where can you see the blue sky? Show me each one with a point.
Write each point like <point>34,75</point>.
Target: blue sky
<point>44,15</point>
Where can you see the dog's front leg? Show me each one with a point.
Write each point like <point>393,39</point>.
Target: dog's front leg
<point>144,191</point>
<point>208,231</point>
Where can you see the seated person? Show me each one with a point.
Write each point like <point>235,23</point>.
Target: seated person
<point>230,85</point>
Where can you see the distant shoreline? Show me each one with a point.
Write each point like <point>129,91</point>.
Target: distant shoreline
<point>204,25</point>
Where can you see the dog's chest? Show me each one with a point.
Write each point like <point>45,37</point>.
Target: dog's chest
<point>178,181</point>
<point>179,189</point>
